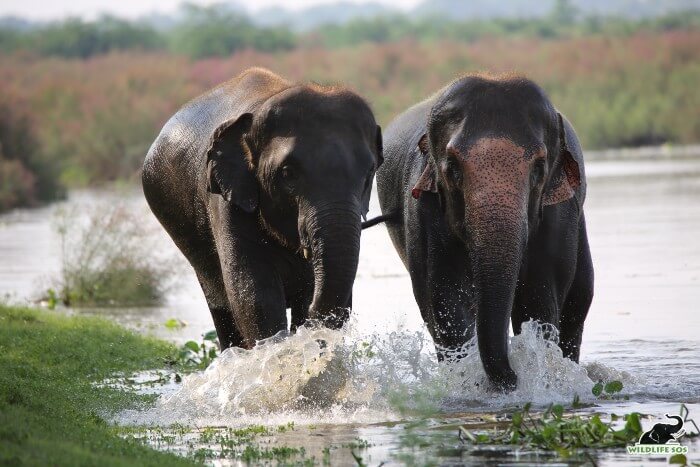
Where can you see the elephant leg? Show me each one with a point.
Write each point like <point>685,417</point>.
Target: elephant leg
<point>546,276</point>
<point>578,300</point>
<point>442,292</point>
<point>255,291</point>
<point>215,294</point>
<point>300,309</point>
<point>535,300</point>
<point>202,256</point>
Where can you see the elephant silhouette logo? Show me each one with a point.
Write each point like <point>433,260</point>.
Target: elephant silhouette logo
<point>664,433</point>
<point>662,438</point>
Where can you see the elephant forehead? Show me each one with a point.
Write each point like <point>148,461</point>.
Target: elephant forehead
<point>281,146</point>
<point>492,148</point>
<point>496,170</point>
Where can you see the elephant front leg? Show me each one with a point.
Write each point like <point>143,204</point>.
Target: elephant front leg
<point>442,291</point>
<point>536,300</point>
<point>256,294</point>
<point>454,315</point>
<point>253,284</point>
<point>578,302</point>
<point>545,279</point>
<point>219,307</point>
<point>300,310</point>
<point>206,263</point>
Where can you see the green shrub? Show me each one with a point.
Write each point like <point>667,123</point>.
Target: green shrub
<point>213,31</point>
<point>107,259</point>
<point>16,185</point>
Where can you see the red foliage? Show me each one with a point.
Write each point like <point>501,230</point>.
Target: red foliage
<point>98,116</point>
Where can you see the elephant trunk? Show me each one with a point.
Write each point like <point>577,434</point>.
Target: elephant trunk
<point>334,236</point>
<point>498,237</point>
<point>679,423</point>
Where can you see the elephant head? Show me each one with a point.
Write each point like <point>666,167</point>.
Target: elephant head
<point>501,155</point>
<point>662,433</point>
<point>303,162</point>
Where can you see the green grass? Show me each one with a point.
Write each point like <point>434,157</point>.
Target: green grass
<point>50,411</point>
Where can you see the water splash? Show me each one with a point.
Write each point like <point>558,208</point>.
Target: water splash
<point>323,376</point>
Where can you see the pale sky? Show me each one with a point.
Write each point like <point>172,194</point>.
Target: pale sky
<point>52,9</point>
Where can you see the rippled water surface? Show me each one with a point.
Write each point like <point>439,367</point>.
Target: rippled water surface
<point>378,379</point>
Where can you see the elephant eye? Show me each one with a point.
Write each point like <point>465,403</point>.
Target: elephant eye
<point>289,173</point>
<point>452,171</point>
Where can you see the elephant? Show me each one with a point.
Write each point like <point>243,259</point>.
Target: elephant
<point>262,184</point>
<point>662,433</point>
<point>483,187</point>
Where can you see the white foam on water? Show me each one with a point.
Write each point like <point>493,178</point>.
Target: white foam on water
<point>319,375</point>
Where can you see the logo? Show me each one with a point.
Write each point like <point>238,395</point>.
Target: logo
<point>662,439</point>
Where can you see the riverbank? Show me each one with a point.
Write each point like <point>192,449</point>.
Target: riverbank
<point>51,412</point>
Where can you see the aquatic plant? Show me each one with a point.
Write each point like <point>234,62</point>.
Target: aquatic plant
<point>196,356</point>
<point>553,430</point>
<point>609,390</point>
<point>175,323</point>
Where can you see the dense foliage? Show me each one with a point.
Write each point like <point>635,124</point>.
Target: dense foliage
<point>217,30</point>
<point>79,105</point>
<point>26,174</point>
<point>201,32</point>
<point>560,23</point>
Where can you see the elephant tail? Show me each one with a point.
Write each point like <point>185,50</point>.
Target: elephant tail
<point>378,220</point>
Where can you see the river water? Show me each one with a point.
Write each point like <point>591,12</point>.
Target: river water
<point>378,380</point>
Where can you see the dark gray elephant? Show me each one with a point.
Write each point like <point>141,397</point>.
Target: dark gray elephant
<point>662,433</point>
<point>483,186</point>
<point>262,184</point>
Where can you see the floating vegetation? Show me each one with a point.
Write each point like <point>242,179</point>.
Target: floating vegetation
<point>553,431</point>
<point>195,355</point>
<point>565,434</point>
<point>175,323</point>
<point>253,444</point>
<point>610,390</point>
<point>239,409</point>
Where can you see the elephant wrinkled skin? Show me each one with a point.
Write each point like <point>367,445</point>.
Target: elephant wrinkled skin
<point>262,185</point>
<point>484,185</point>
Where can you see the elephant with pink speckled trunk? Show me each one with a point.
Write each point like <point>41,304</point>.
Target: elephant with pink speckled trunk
<point>484,186</point>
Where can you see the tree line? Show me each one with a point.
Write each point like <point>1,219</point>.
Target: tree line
<point>214,31</point>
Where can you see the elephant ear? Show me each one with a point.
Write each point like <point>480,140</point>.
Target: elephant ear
<point>229,173</point>
<point>426,181</point>
<point>565,176</point>
<point>379,143</point>
<point>367,192</point>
